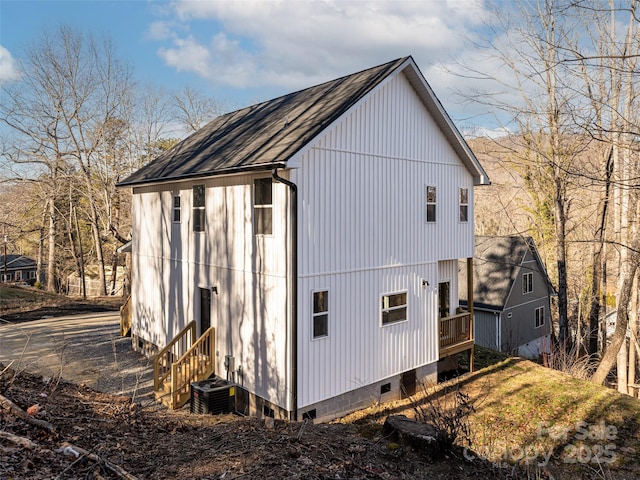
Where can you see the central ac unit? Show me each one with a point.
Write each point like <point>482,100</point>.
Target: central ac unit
<point>212,396</point>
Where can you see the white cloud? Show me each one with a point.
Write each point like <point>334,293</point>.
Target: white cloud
<point>8,67</point>
<point>296,44</point>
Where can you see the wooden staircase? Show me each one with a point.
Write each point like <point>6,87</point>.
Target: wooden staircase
<point>183,361</point>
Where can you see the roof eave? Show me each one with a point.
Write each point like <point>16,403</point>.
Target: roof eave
<point>200,175</point>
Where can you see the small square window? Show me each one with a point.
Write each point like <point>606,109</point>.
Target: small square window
<point>431,204</point>
<point>394,308</point>
<point>527,283</point>
<point>464,204</point>
<point>320,314</point>
<point>539,317</point>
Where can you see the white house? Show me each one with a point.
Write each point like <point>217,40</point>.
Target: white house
<point>319,234</point>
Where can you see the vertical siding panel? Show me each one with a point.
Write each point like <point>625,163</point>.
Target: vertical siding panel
<point>363,233</point>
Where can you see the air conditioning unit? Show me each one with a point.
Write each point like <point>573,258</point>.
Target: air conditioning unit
<point>212,396</point>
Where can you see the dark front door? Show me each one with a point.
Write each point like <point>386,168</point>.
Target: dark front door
<point>205,309</point>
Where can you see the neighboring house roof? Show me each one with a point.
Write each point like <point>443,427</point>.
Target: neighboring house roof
<point>17,262</point>
<point>496,264</point>
<point>269,134</point>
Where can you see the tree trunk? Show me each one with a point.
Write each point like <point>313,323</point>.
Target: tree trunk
<point>51,270</point>
<point>598,274</point>
<point>620,333</point>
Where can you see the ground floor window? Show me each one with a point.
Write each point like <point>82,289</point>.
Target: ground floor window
<point>394,308</point>
<point>320,314</point>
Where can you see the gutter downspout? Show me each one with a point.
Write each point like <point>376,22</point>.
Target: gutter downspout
<point>293,289</point>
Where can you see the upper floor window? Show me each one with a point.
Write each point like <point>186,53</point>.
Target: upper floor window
<point>527,282</point>
<point>262,206</point>
<point>394,308</point>
<point>464,204</point>
<point>198,208</point>
<point>320,314</point>
<point>539,317</point>
<point>176,208</point>
<point>431,203</point>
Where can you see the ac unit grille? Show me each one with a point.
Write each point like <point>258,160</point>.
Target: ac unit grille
<point>212,396</point>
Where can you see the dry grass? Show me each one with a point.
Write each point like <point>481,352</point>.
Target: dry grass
<point>541,420</point>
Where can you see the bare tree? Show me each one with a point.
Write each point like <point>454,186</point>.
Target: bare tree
<point>192,110</point>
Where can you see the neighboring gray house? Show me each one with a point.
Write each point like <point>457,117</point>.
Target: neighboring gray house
<point>310,243</point>
<point>512,295</point>
<point>18,268</point>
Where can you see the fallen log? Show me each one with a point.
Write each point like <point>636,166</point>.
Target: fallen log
<point>18,440</point>
<point>70,449</point>
<point>22,415</point>
<point>421,436</point>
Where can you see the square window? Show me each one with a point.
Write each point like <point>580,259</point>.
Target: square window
<point>263,206</point>
<point>320,314</point>
<point>527,283</point>
<point>431,204</point>
<point>394,308</point>
<point>464,204</point>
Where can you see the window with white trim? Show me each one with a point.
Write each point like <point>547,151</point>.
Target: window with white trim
<point>7,278</point>
<point>32,274</point>
<point>18,275</point>
<point>320,314</point>
<point>262,206</point>
<point>539,317</point>
<point>176,208</point>
<point>527,282</point>
<point>198,208</point>
<point>464,204</point>
<point>394,308</point>
<point>431,203</point>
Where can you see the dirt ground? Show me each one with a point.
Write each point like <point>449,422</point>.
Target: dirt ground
<point>104,436</point>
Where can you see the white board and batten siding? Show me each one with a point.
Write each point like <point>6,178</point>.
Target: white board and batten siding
<point>248,271</point>
<point>363,233</point>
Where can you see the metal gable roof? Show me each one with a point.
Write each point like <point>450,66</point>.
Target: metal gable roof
<point>264,135</point>
<point>267,135</point>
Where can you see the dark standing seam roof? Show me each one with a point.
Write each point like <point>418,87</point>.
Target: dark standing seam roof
<point>263,135</point>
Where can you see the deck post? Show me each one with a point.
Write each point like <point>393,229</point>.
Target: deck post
<point>470,307</point>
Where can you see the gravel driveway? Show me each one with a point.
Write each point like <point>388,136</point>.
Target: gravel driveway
<point>83,349</point>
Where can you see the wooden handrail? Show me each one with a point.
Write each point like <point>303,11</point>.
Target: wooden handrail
<point>196,362</point>
<point>174,349</point>
<point>125,317</point>
<point>455,329</point>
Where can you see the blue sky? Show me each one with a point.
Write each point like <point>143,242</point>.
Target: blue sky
<point>242,52</point>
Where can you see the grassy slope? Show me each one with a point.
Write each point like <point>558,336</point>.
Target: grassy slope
<point>20,300</point>
<point>522,405</point>
<point>525,413</point>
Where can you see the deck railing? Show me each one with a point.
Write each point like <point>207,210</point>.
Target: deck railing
<point>125,318</point>
<point>173,351</point>
<point>455,329</point>
<point>195,364</point>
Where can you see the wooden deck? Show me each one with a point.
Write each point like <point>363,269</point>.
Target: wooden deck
<point>456,334</point>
